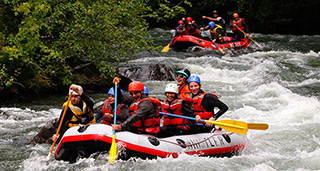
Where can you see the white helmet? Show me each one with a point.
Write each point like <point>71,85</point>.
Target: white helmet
<point>172,88</point>
<point>73,92</point>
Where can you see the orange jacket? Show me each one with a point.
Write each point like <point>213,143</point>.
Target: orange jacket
<point>184,91</point>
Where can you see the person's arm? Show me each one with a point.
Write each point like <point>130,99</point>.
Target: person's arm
<point>124,113</point>
<point>202,28</point>
<point>67,117</point>
<point>209,18</point>
<point>88,100</point>
<point>209,102</point>
<point>186,109</point>
<point>99,115</point>
<point>145,107</point>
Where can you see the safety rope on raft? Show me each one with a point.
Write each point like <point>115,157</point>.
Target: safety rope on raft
<point>186,145</point>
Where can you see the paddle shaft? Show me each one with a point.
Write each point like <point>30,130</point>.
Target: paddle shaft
<point>236,128</point>
<point>215,43</point>
<point>180,116</point>
<point>248,36</point>
<point>98,121</point>
<point>115,105</point>
<point>113,148</point>
<point>175,33</point>
<point>60,124</point>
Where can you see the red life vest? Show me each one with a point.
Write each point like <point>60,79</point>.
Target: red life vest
<point>192,30</point>
<point>147,124</point>
<point>107,108</point>
<point>238,23</point>
<point>198,109</point>
<point>184,91</point>
<point>174,108</point>
<point>182,31</point>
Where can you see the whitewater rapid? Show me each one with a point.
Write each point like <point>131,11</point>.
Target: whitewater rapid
<point>277,87</point>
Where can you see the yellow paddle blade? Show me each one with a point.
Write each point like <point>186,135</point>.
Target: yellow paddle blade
<point>113,150</point>
<point>166,49</point>
<point>239,127</point>
<point>223,51</point>
<point>258,126</point>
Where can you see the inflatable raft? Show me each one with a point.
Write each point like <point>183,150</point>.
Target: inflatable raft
<point>83,141</point>
<point>186,41</point>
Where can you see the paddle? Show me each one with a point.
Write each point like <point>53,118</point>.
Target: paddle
<point>113,148</point>
<point>98,121</point>
<point>166,49</point>
<point>258,126</point>
<point>248,36</point>
<point>215,44</point>
<point>239,127</point>
<point>60,124</point>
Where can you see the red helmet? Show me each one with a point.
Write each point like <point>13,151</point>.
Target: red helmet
<point>136,86</point>
<point>180,22</point>
<point>235,15</point>
<point>189,19</point>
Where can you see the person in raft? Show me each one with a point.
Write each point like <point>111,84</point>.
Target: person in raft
<point>204,104</point>
<point>215,31</point>
<point>239,23</point>
<point>192,27</point>
<point>79,111</point>
<point>174,125</point>
<point>144,111</point>
<point>182,29</point>
<point>182,79</point>
<point>108,109</point>
<point>219,20</point>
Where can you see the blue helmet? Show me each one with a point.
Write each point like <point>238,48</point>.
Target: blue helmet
<point>146,91</point>
<point>194,78</point>
<point>211,24</point>
<point>111,91</point>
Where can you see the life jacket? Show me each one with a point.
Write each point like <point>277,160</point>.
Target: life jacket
<point>213,32</point>
<point>107,108</point>
<point>80,115</point>
<point>184,91</point>
<point>192,30</point>
<point>238,23</point>
<point>182,31</point>
<point>175,108</point>
<point>147,124</point>
<point>198,109</point>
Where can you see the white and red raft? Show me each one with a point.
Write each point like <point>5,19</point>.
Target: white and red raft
<point>85,141</point>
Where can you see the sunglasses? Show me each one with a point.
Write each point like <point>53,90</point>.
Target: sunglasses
<point>136,92</point>
<point>180,76</point>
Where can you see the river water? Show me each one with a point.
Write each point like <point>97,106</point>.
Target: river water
<point>278,84</point>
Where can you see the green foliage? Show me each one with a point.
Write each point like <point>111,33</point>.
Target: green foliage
<point>166,9</point>
<point>55,39</point>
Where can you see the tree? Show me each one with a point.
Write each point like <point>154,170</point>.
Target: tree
<point>54,39</point>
